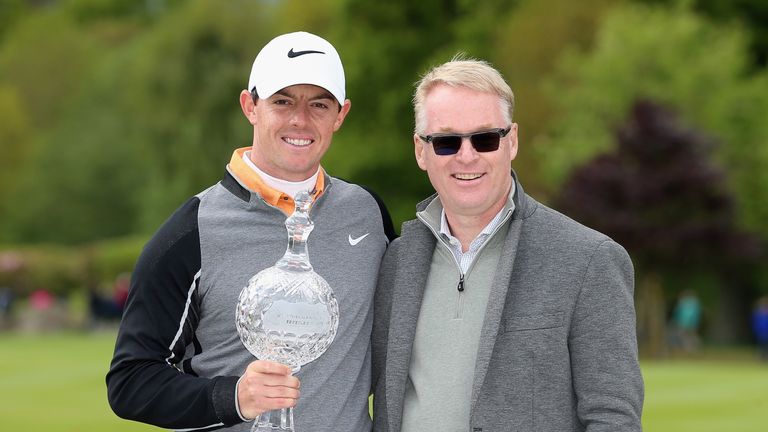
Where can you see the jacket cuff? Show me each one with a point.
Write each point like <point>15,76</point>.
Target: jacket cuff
<point>224,400</point>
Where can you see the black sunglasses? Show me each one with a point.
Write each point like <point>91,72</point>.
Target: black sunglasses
<point>483,141</point>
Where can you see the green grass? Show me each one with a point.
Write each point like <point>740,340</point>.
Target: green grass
<point>56,382</point>
<point>705,395</point>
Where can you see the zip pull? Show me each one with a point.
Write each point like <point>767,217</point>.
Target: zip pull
<point>461,283</point>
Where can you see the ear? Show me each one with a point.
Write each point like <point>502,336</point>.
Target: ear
<point>418,147</point>
<point>512,137</point>
<point>342,114</point>
<point>248,106</point>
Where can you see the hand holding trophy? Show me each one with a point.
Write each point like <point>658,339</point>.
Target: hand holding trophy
<point>288,313</point>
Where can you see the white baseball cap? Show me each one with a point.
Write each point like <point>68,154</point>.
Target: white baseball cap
<point>297,58</point>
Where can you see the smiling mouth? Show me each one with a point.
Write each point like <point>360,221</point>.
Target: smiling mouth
<point>467,176</point>
<point>298,142</point>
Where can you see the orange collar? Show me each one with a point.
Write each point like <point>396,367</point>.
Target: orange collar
<point>251,180</point>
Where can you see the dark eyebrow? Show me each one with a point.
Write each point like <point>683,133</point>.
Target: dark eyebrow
<point>324,94</point>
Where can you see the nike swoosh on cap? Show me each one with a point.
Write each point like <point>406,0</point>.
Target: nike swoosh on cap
<point>292,53</point>
<point>354,241</point>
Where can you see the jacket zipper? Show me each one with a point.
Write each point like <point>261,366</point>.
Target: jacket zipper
<point>460,285</point>
<point>460,297</point>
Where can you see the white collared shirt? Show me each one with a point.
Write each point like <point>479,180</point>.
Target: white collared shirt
<point>465,258</point>
<point>287,187</point>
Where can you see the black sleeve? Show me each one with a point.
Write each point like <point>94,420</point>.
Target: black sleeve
<point>389,228</point>
<point>144,382</point>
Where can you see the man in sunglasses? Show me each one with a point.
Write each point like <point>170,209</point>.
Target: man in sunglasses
<point>494,312</point>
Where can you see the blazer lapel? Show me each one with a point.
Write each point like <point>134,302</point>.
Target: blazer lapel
<point>495,308</point>
<point>410,280</point>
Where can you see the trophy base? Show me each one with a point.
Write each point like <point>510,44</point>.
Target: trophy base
<point>274,421</point>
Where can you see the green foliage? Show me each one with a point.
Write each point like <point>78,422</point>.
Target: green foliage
<point>752,13</point>
<point>46,70</point>
<point>44,78</point>
<point>132,107</point>
<point>695,66</point>
<point>15,134</point>
<point>10,12</point>
<point>525,65</point>
<point>318,16</point>
<point>87,11</point>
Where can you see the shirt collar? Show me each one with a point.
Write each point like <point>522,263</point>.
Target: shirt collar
<point>445,229</point>
<point>254,183</point>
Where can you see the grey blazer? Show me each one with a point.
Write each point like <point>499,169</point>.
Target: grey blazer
<point>558,350</point>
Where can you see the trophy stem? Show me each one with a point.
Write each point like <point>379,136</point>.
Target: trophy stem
<point>299,226</point>
<point>274,421</point>
<point>286,419</point>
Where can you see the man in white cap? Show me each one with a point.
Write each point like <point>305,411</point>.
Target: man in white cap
<point>179,362</point>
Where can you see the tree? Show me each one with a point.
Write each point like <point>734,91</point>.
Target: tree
<point>525,65</point>
<point>39,77</point>
<point>15,134</point>
<point>661,197</point>
<point>752,13</point>
<point>10,12</point>
<point>678,58</point>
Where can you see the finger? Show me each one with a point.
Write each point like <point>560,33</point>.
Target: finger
<point>278,403</point>
<point>280,381</point>
<point>254,403</point>
<point>271,380</point>
<point>278,393</point>
<point>272,374</point>
<point>269,367</point>
<point>265,395</point>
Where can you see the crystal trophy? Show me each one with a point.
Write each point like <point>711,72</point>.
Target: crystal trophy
<point>288,313</point>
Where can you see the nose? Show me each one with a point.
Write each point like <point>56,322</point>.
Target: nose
<point>466,152</point>
<point>300,115</point>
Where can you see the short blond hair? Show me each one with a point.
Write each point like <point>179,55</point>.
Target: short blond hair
<point>463,71</point>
